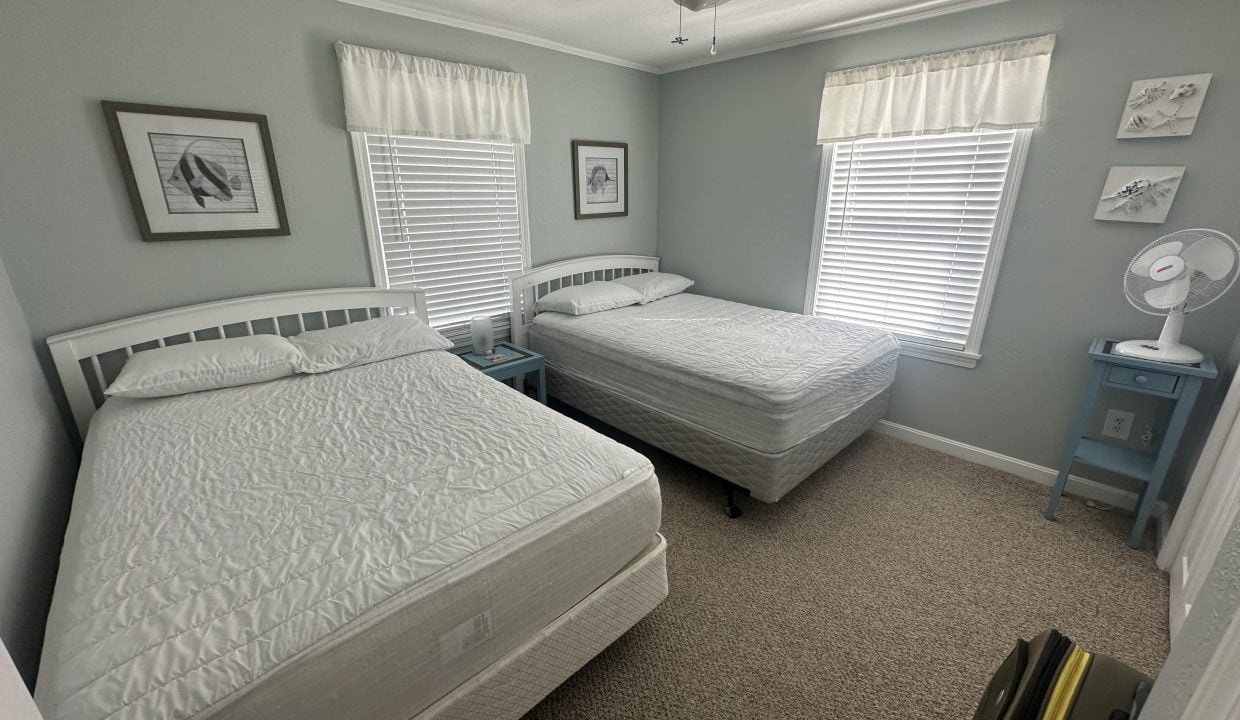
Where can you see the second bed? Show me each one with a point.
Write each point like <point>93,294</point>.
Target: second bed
<point>759,397</point>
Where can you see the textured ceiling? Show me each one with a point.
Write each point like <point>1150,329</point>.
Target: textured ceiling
<point>638,33</point>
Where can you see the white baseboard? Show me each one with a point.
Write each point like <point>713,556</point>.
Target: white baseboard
<point>1078,486</point>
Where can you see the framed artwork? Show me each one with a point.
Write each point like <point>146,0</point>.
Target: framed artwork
<point>197,174</point>
<point>1163,107</point>
<point>600,179</point>
<point>1139,194</point>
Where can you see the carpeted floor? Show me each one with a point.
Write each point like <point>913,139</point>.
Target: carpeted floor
<point>889,585</point>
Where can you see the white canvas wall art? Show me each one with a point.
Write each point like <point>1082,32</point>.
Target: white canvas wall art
<point>1139,193</point>
<point>1163,107</point>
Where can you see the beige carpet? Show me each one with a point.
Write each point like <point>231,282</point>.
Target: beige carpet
<point>889,585</point>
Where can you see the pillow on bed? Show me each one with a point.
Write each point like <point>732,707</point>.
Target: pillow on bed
<point>365,342</point>
<point>655,285</point>
<point>205,365</point>
<point>589,298</point>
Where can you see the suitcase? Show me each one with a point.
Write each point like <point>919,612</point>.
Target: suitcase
<point>1052,678</point>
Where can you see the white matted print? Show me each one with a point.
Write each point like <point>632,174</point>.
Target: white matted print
<point>600,179</point>
<point>1163,107</point>
<point>1139,193</point>
<point>601,175</point>
<point>197,173</point>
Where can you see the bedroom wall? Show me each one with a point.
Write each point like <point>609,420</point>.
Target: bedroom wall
<point>37,466</point>
<point>739,174</point>
<point>68,231</point>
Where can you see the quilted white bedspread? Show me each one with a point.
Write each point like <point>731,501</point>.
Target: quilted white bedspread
<point>764,379</point>
<point>216,536</point>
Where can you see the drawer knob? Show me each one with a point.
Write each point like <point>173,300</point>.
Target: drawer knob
<point>1140,379</point>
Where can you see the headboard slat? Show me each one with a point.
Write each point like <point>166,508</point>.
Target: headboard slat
<point>98,370</point>
<point>77,354</point>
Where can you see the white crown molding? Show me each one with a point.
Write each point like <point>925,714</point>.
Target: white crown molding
<point>397,7</point>
<point>874,21</point>
<point>865,23</point>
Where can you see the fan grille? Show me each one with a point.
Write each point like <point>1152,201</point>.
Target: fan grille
<point>1203,289</point>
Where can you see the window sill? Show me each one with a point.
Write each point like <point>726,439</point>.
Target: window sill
<point>960,358</point>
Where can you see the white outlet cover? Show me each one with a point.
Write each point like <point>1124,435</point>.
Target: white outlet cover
<point>1118,418</point>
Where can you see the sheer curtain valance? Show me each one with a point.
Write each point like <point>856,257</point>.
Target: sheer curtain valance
<point>390,93</point>
<point>999,87</point>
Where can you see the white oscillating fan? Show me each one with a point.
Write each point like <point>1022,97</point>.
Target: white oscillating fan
<point>1177,274</point>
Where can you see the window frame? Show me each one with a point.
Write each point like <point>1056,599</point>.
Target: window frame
<point>971,354</point>
<point>374,238</point>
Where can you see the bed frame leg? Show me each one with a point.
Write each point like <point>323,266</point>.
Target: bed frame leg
<point>734,510</point>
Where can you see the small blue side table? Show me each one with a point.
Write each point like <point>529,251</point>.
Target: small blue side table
<point>1177,382</point>
<point>507,362</point>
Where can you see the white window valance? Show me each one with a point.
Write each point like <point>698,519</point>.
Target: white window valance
<point>390,93</point>
<point>997,87</point>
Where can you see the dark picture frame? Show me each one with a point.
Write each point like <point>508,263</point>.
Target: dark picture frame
<point>600,179</point>
<point>188,181</point>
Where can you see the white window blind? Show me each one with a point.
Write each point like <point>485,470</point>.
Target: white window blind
<point>910,232</point>
<point>446,216</point>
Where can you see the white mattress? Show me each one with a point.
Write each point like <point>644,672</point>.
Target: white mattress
<point>764,379</point>
<point>352,544</point>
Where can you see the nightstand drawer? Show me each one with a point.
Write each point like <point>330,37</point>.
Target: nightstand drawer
<point>1142,379</point>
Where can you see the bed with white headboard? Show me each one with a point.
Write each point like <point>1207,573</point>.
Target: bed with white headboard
<point>88,359</point>
<point>761,398</point>
<point>350,524</point>
<point>529,286</point>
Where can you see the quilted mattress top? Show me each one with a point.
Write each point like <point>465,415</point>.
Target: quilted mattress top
<point>216,536</point>
<point>764,378</point>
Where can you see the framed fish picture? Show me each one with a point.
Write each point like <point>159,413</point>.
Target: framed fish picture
<point>197,174</point>
<point>600,179</point>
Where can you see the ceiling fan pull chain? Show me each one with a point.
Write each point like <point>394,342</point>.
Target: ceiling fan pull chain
<point>680,38</point>
<point>714,29</point>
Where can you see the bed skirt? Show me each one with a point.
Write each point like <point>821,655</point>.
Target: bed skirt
<point>767,476</point>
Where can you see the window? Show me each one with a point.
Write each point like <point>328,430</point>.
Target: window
<point>909,235</point>
<point>447,216</point>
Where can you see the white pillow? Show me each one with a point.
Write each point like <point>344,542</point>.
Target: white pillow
<point>589,298</point>
<point>365,342</point>
<point>205,365</point>
<point>655,285</point>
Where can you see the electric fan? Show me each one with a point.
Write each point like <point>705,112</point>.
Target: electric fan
<point>1177,274</point>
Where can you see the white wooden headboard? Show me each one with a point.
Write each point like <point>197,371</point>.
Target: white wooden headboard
<point>529,286</point>
<point>87,360</point>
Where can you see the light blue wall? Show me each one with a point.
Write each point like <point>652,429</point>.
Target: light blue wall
<point>739,172</point>
<point>66,226</point>
<point>37,465</point>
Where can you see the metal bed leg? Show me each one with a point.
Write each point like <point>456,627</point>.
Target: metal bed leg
<point>734,510</point>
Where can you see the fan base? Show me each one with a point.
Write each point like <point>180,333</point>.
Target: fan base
<point>1173,353</point>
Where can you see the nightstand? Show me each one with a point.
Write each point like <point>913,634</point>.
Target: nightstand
<point>508,362</point>
<point>1180,383</point>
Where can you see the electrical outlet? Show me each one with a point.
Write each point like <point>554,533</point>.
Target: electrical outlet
<point>1118,424</point>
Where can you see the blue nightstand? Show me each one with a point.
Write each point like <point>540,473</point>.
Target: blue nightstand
<point>1176,382</point>
<point>507,362</point>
